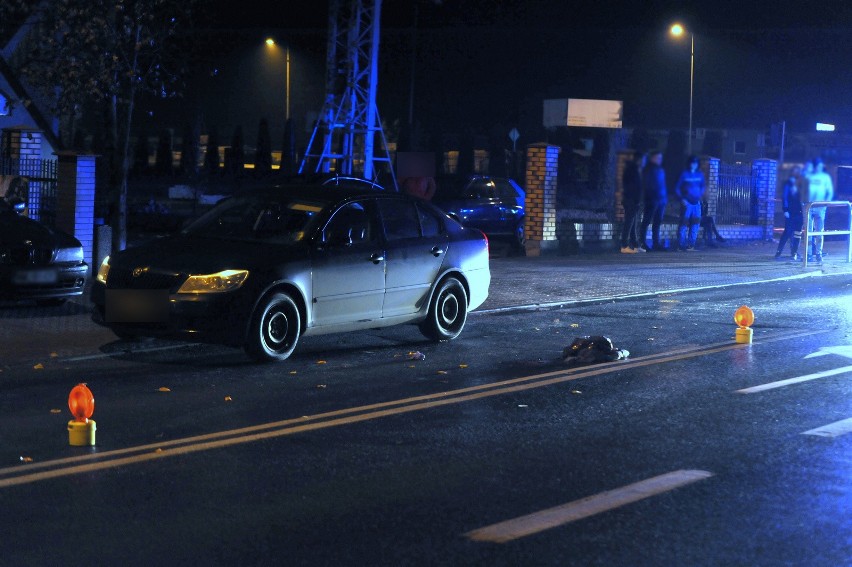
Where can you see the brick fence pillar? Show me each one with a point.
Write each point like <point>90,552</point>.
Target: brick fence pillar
<point>540,215</point>
<point>75,199</point>
<point>710,167</point>
<point>765,174</point>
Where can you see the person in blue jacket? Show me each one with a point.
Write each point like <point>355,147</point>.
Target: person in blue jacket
<point>690,188</point>
<point>656,199</point>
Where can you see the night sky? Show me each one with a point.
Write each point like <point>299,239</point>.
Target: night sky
<point>491,63</point>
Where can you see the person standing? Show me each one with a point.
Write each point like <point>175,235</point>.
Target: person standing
<point>820,188</point>
<point>656,199</point>
<point>690,189</point>
<point>631,200</point>
<point>791,202</point>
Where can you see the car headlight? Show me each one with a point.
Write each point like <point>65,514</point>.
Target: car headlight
<point>226,280</point>
<point>103,270</point>
<point>67,255</point>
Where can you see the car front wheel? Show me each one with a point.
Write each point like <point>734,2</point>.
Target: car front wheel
<point>275,329</point>
<point>447,312</point>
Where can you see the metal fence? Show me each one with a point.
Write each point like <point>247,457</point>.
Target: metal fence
<point>41,176</point>
<point>737,200</point>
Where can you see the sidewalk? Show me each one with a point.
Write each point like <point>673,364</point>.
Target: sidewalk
<point>548,281</point>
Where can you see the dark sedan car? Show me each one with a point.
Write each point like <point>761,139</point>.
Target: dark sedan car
<point>263,268</point>
<point>37,262</point>
<point>494,205</point>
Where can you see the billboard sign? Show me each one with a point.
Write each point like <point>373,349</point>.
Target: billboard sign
<point>591,113</point>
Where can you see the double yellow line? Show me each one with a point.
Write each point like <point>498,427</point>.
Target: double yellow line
<point>91,462</point>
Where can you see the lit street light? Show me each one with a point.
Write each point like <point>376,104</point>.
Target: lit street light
<point>678,30</point>
<point>287,153</point>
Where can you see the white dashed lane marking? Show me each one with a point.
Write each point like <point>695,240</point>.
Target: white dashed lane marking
<point>585,507</point>
<point>796,380</point>
<point>835,429</point>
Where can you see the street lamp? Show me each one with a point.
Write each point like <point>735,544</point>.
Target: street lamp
<point>678,30</point>
<point>289,151</point>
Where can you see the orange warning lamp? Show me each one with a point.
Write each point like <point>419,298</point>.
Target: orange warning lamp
<point>81,429</point>
<point>744,318</point>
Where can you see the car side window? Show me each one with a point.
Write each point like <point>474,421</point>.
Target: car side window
<point>430,224</point>
<point>400,218</point>
<point>505,189</point>
<point>352,224</point>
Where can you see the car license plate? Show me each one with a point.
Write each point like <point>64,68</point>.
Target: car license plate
<point>35,277</point>
<point>137,306</point>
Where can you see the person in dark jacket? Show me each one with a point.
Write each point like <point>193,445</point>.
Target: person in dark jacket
<point>791,202</point>
<point>631,200</point>
<point>656,199</point>
<point>690,190</point>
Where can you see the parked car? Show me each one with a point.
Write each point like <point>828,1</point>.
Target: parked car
<point>265,267</point>
<point>494,205</point>
<point>36,262</point>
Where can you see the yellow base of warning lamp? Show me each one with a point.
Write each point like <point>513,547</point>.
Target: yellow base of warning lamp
<point>81,434</point>
<point>744,318</point>
<point>81,429</point>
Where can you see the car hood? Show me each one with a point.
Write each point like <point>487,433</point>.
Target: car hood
<point>192,255</point>
<point>16,229</point>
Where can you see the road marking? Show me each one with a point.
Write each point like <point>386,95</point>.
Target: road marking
<point>23,474</point>
<point>125,352</point>
<point>796,380</point>
<point>522,526</point>
<point>835,429</point>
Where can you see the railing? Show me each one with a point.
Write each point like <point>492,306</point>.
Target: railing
<point>735,203</point>
<point>807,233</point>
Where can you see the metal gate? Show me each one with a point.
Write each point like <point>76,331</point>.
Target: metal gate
<point>40,186</point>
<point>737,200</point>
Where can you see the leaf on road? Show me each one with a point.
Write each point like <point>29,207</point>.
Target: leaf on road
<point>442,371</point>
<point>292,372</point>
<point>575,325</point>
<point>462,365</point>
<point>321,362</point>
<point>158,450</point>
<point>26,459</point>
<point>163,389</point>
<point>228,399</point>
<point>38,366</point>
<point>56,411</point>
<point>576,392</point>
<point>321,386</point>
<point>523,406</point>
<point>53,355</point>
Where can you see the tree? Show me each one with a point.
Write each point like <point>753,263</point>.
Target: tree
<point>235,157</point>
<point>105,54</point>
<point>163,158</point>
<point>189,150</point>
<point>263,151</point>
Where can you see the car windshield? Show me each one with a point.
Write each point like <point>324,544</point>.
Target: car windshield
<point>257,218</point>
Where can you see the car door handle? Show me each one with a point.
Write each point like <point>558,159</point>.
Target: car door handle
<point>437,251</point>
<point>377,258</point>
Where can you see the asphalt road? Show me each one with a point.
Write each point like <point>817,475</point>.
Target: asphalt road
<point>695,450</point>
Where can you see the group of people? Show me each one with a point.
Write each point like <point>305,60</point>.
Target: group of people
<point>645,192</point>
<point>807,184</point>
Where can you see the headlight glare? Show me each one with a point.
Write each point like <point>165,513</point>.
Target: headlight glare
<point>67,255</point>
<point>226,280</point>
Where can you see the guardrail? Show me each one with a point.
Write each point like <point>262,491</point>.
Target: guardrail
<point>807,234</point>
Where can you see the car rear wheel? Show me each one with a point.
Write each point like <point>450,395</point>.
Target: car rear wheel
<point>275,328</point>
<point>447,312</point>
<point>520,239</point>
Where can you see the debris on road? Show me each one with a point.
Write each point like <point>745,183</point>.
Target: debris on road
<point>591,350</point>
<point>417,355</point>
